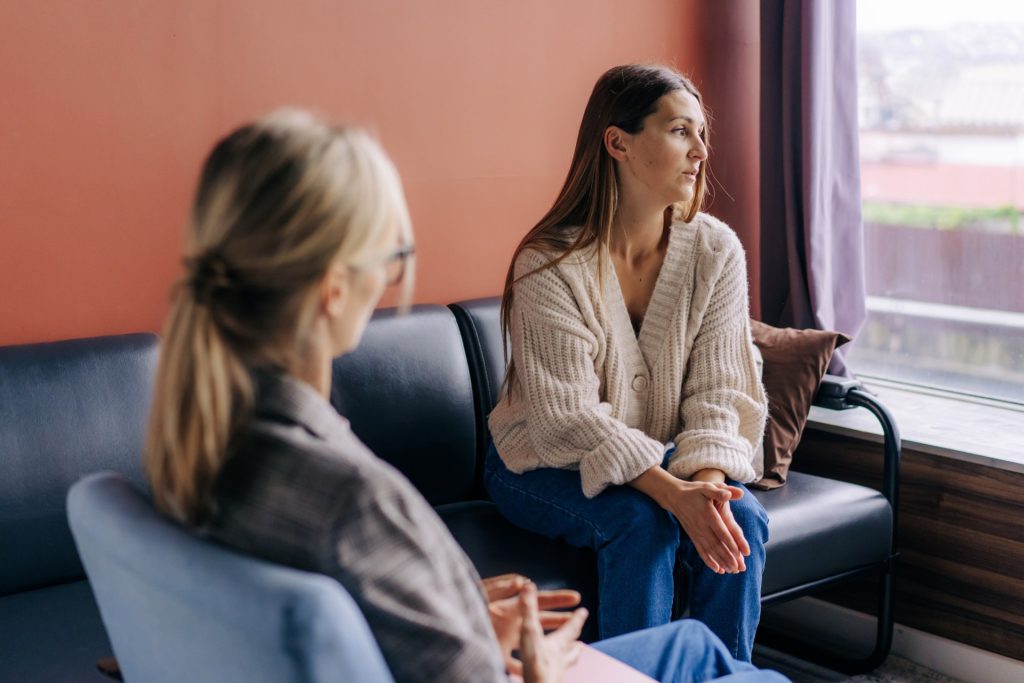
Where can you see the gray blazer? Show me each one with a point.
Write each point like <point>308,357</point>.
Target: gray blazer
<point>300,489</point>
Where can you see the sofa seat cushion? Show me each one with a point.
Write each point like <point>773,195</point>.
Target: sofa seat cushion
<point>496,546</point>
<point>819,527</point>
<point>52,634</point>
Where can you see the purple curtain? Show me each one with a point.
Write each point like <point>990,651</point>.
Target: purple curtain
<point>812,260</point>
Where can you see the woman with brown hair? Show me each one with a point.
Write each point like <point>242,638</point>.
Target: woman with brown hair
<point>632,406</point>
<point>296,230</point>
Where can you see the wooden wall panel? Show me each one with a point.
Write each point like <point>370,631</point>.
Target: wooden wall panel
<point>961,535</point>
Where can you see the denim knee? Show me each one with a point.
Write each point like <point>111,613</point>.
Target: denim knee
<point>751,517</point>
<point>705,650</point>
<point>694,631</point>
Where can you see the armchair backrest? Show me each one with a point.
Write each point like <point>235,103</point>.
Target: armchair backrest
<point>180,608</point>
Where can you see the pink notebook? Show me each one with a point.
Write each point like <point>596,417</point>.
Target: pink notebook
<point>595,666</point>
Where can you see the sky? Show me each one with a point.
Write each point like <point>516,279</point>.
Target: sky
<point>873,15</point>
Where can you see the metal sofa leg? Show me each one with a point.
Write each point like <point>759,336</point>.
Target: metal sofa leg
<point>884,628</point>
<point>829,657</point>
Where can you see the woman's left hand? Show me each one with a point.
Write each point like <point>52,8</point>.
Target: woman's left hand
<point>506,618</point>
<point>718,476</point>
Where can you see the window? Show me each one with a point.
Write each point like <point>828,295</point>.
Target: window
<point>941,98</point>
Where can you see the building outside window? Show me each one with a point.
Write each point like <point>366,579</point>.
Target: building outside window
<point>941,98</point>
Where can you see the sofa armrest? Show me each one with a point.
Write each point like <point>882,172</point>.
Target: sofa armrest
<point>833,390</point>
<point>843,393</point>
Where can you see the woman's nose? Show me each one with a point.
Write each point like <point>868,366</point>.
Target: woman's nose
<point>700,150</point>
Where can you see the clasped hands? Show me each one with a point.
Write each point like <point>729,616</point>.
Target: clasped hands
<point>701,505</point>
<point>520,615</point>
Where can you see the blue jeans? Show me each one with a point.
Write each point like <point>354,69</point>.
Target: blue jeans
<point>683,652</point>
<point>638,544</point>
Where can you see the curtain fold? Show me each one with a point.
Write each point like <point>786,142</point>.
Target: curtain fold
<point>812,245</point>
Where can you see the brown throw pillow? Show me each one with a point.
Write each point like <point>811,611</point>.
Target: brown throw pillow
<point>794,363</point>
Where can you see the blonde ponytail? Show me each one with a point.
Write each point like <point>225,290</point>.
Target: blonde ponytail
<point>202,390</point>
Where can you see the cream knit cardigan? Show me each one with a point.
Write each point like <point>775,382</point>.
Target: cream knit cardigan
<point>592,395</point>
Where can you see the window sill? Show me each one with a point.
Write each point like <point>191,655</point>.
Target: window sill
<point>947,425</point>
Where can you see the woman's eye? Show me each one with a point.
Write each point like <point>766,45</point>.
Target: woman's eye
<point>682,131</point>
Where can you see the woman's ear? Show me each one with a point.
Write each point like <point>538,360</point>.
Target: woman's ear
<point>334,290</point>
<point>615,142</point>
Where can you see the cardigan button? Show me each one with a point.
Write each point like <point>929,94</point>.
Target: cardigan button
<point>639,383</point>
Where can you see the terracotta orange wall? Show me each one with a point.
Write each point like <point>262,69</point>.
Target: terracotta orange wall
<point>109,107</point>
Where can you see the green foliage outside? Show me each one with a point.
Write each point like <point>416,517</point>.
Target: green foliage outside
<point>999,219</point>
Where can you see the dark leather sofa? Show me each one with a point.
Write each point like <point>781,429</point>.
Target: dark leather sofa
<point>417,391</point>
<point>66,409</point>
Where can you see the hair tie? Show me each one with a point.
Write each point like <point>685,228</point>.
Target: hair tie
<point>209,275</point>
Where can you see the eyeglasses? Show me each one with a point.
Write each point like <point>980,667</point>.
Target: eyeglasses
<point>395,265</point>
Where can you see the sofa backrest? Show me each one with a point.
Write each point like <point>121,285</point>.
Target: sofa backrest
<point>66,408</point>
<point>73,407</point>
<point>407,393</point>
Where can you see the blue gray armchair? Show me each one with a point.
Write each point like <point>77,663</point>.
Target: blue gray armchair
<point>179,608</point>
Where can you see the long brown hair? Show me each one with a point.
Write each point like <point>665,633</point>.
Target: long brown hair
<point>624,96</point>
<point>279,201</point>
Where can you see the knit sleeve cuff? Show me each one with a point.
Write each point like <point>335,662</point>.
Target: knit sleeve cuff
<point>692,455</point>
<point>619,460</point>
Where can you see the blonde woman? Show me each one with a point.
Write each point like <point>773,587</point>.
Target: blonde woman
<point>632,407</point>
<point>296,230</point>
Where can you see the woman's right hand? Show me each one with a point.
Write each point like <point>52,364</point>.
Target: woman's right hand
<point>693,503</point>
<point>545,658</point>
